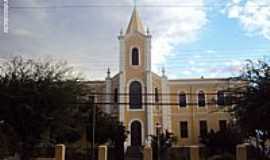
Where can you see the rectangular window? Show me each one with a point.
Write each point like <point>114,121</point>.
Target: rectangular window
<point>182,100</point>
<point>222,125</point>
<point>156,95</point>
<point>203,128</point>
<point>184,129</point>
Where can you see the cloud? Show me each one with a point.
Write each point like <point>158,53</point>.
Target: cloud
<point>209,68</point>
<point>253,15</point>
<point>23,33</point>
<point>87,37</point>
<point>175,26</point>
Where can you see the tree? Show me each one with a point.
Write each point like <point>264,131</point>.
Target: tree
<point>161,143</point>
<point>108,130</point>
<point>222,142</point>
<point>252,111</point>
<point>42,104</point>
<point>35,106</point>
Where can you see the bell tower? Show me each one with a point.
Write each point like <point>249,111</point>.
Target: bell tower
<point>136,42</point>
<point>135,76</point>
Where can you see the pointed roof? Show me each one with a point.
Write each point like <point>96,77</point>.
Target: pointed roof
<point>135,23</point>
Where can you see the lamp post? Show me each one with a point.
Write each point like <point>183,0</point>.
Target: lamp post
<point>158,126</point>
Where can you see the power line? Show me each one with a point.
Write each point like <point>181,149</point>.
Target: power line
<point>123,6</point>
<point>234,99</point>
<point>161,94</point>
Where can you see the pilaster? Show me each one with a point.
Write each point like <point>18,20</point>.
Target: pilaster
<point>149,109</point>
<point>121,78</point>
<point>122,52</point>
<point>148,53</point>
<point>108,107</point>
<point>166,110</point>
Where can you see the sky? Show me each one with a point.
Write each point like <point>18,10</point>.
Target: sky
<point>190,38</point>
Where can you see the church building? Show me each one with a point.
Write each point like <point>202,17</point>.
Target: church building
<point>145,101</point>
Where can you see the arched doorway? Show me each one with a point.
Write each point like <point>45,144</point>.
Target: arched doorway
<point>136,133</point>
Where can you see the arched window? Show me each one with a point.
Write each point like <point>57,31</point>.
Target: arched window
<point>135,95</point>
<point>135,56</point>
<point>182,99</point>
<point>220,98</point>
<point>201,99</point>
<point>156,95</point>
<point>115,98</point>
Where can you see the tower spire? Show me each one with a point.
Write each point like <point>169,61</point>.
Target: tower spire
<point>135,23</point>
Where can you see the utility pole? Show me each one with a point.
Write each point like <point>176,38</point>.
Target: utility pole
<point>158,126</point>
<point>92,104</point>
<point>93,132</point>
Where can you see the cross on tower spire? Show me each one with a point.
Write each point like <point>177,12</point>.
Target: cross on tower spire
<point>135,3</point>
<point>135,23</point>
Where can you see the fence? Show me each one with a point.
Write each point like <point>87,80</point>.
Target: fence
<point>175,153</point>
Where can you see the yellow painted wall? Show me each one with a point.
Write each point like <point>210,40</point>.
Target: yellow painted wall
<point>192,113</point>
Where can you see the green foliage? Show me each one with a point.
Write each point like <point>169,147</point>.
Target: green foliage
<point>162,143</point>
<point>40,107</point>
<point>252,112</point>
<point>222,141</point>
<point>108,129</point>
<point>35,104</point>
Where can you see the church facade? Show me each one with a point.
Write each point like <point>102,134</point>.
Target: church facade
<point>145,101</point>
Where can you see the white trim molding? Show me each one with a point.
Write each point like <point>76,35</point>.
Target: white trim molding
<point>121,54</point>
<point>147,53</point>
<point>121,98</point>
<point>108,98</point>
<point>166,109</point>
<point>149,109</point>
